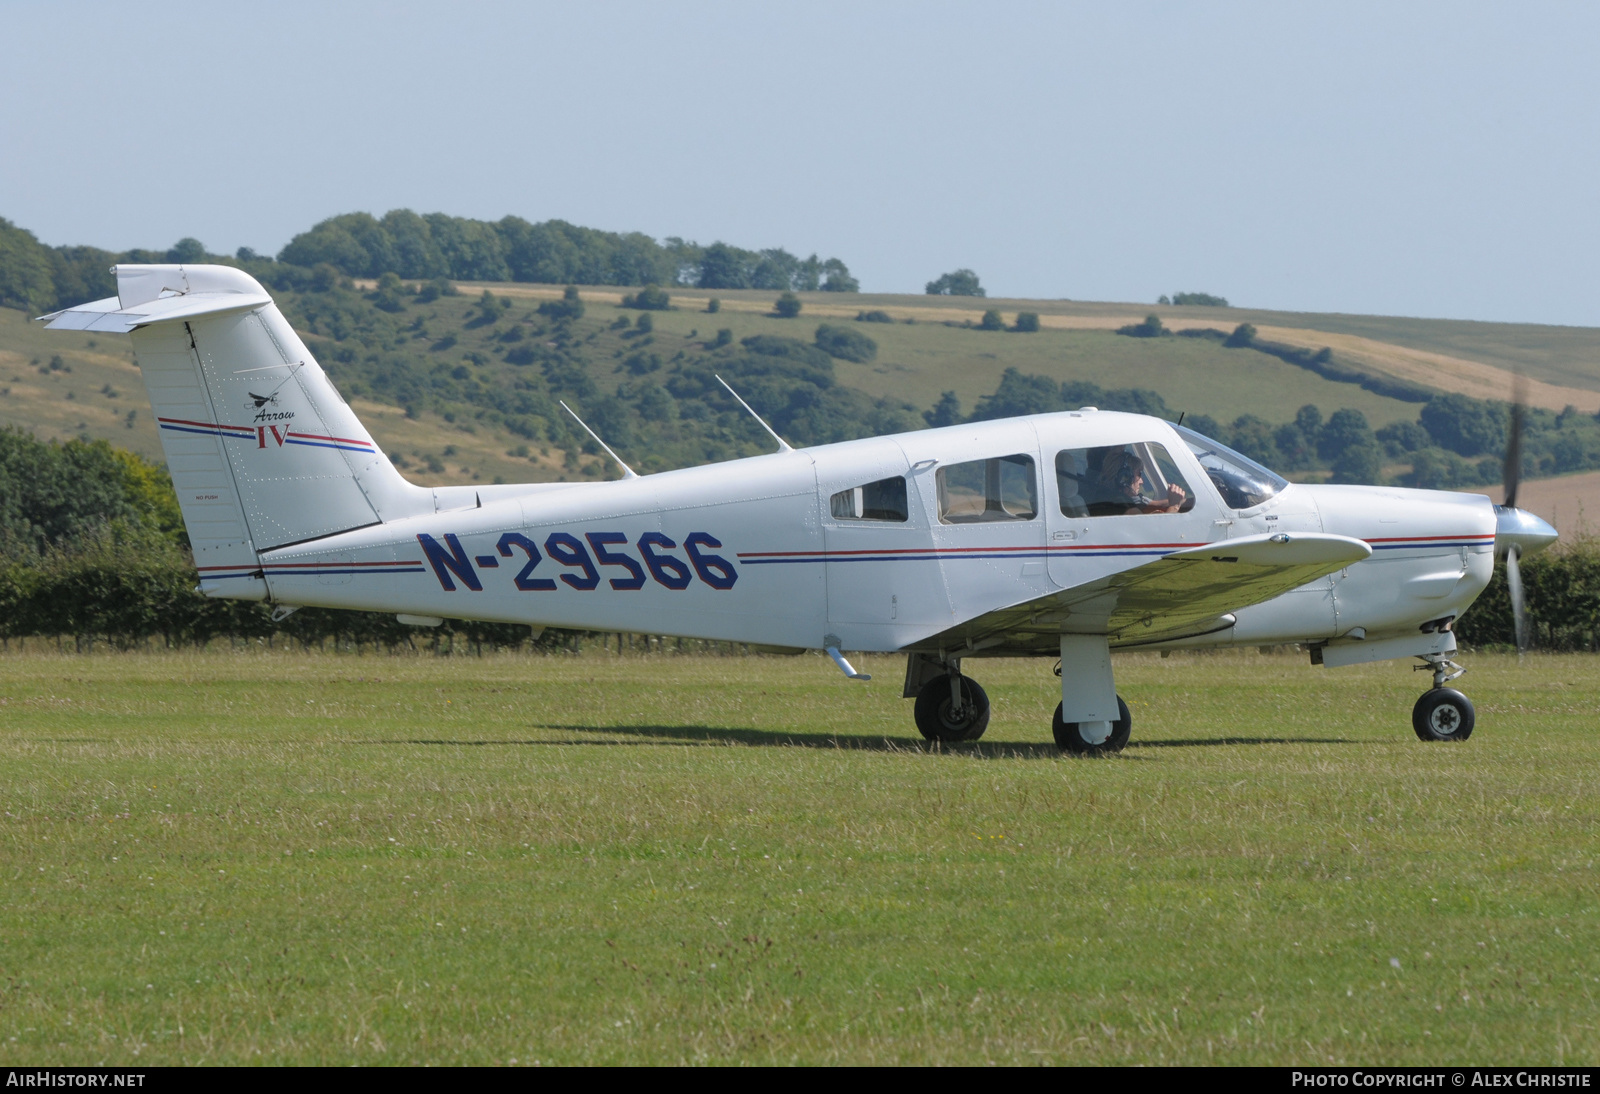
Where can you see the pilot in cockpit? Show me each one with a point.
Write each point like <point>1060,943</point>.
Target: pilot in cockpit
<point>1122,476</point>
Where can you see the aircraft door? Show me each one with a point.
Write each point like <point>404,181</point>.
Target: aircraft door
<point>984,498</point>
<point>1115,505</point>
<point>883,586</point>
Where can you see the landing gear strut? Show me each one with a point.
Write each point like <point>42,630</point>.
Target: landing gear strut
<point>952,708</point>
<point>1443,714</point>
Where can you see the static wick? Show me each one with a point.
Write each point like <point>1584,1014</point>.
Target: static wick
<point>783,445</point>
<point>627,472</point>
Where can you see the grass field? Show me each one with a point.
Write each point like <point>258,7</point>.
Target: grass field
<point>233,857</point>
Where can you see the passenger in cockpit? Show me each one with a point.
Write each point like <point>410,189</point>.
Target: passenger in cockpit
<point>1123,474</point>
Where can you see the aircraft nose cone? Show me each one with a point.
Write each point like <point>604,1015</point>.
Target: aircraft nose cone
<point>1521,529</point>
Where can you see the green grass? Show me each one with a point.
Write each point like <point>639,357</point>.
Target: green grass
<point>218,858</point>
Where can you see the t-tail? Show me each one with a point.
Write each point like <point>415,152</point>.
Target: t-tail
<point>263,450</point>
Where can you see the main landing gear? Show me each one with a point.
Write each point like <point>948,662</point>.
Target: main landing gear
<point>1443,714</point>
<point>1090,719</point>
<point>1087,737</point>
<point>952,707</point>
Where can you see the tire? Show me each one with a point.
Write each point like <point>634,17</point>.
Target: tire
<point>933,710</point>
<point>1068,739</point>
<point>1443,714</point>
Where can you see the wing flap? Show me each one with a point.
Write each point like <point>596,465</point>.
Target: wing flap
<point>1192,591</point>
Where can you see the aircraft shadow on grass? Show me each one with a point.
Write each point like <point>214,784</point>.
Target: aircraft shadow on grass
<point>1208,742</point>
<point>743,735</point>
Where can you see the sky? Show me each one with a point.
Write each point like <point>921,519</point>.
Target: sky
<point>1426,159</point>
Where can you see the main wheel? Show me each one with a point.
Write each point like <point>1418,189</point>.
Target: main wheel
<point>1070,739</point>
<point>1443,714</point>
<point>939,720</point>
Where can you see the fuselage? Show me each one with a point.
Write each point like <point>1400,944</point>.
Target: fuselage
<point>819,546</point>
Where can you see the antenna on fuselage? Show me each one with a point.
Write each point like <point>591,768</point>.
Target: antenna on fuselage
<point>783,445</point>
<point>627,472</point>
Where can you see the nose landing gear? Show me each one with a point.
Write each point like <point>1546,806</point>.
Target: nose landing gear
<point>1443,714</point>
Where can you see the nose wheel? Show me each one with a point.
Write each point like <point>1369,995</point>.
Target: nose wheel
<point>1443,714</point>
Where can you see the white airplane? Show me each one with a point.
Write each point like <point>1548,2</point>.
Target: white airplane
<point>1068,534</point>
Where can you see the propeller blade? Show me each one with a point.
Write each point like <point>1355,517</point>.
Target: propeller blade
<point>1519,611</point>
<point>1511,474</point>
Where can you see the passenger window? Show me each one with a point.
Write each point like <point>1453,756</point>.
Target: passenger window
<point>881,500</point>
<point>1120,480</point>
<point>982,491</point>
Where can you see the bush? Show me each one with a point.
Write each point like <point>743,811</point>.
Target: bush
<point>786,306</point>
<point>991,321</point>
<point>874,317</point>
<point>649,298</point>
<point>713,306</point>
<point>1150,328</point>
<point>570,306</point>
<point>961,282</point>
<point>436,288</point>
<point>1242,335</point>
<point>846,344</point>
<point>1027,322</point>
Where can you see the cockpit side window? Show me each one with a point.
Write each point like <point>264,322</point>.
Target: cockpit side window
<point>881,500</point>
<point>984,491</point>
<point>1120,480</point>
<point>1242,482</point>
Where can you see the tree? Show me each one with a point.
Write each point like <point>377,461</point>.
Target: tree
<point>1200,299</point>
<point>1019,393</point>
<point>962,282</point>
<point>1346,429</point>
<point>1027,322</point>
<point>991,321</point>
<point>1308,419</point>
<point>836,277</point>
<point>786,306</point>
<point>1398,438</point>
<point>723,267</point>
<point>947,411</point>
<point>1359,464</point>
<point>1470,427</point>
<point>713,306</point>
<point>1253,436</point>
<point>25,275</point>
<point>1242,335</point>
<point>188,251</point>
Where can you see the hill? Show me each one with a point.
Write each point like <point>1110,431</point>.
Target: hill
<point>460,380</point>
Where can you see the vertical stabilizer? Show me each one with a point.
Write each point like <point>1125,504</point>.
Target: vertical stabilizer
<point>263,450</point>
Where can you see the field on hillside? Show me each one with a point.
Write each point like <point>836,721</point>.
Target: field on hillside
<point>460,375</point>
<point>262,857</point>
<point>99,385</point>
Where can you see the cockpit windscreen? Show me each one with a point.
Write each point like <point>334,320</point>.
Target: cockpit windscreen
<point>1243,482</point>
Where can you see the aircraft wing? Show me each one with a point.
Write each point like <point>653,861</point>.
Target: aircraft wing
<point>1187,592</point>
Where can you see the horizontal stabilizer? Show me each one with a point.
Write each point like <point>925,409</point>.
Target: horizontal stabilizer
<point>1183,593</point>
<point>109,317</point>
